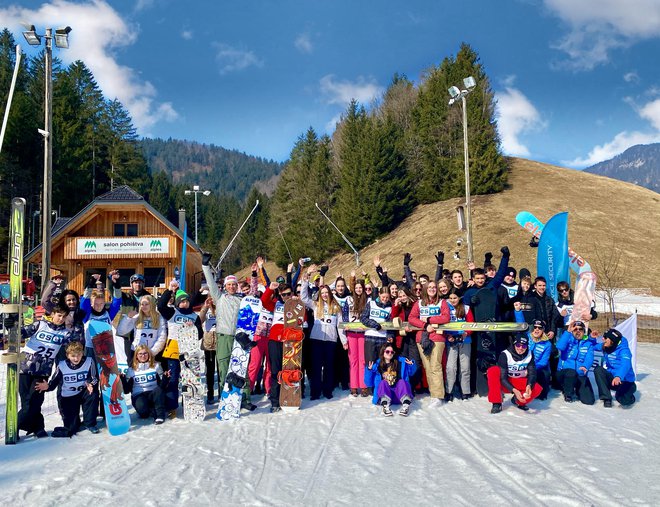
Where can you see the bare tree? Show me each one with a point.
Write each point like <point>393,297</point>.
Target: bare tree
<point>612,272</point>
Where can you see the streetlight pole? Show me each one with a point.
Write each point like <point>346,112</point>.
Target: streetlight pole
<point>456,93</point>
<point>61,41</point>
<point>195,190</point>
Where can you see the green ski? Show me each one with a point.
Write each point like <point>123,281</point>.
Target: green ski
<point>495,327</point>
<point>11,357</point>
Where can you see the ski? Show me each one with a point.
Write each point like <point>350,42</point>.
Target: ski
<point>11,357</point>
<point>495,327</point>
<point>532,224</point>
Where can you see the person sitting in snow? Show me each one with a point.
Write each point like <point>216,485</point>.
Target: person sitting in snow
<point>617,374</point>
<point>389,377</point>
<point>515,373</point>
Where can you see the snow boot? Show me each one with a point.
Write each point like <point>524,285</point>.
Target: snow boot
<point>524,408</point>
<point>405,409</point>
<point>42,434</point>
<point>387,411</point>
<point>274,409</point>
<point>93,429</point>
<point>159,420</point>
<point>60,432</point>
<point>607,403</point>
<point>496,409</point>
<point>234,380</point>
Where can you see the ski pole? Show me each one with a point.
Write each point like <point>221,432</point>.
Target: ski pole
<point>285,245</point>
<point>357,254</point>
<point>224,254</point>
<point>11,94</point>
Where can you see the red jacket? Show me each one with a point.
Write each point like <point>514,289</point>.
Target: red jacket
<point>443,318</point>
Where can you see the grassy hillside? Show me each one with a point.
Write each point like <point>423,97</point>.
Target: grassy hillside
<point>602,212</point>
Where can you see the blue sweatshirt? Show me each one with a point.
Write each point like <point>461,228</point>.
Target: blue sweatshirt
<point>619,362</point>
<point>575,354</point>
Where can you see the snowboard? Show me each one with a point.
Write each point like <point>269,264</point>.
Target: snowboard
<point>193,368</point>
<point>117,418</point>
<point>532,224</point>
<point>494,327</point>
<point>290,378</point>
<point>11,357</point>
<point>231,395</point>
<point>486,349</point>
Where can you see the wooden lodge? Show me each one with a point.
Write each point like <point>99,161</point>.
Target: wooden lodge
<point>120,230</point>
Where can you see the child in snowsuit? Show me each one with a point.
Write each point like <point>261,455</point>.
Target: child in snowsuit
<point>77,386</point>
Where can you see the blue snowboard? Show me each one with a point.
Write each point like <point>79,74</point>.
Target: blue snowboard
<point>230,397</point>
<point>117,417</point>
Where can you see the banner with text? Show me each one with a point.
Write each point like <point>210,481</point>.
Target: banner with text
<point>122,246</point>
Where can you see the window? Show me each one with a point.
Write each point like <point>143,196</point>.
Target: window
<point>125,276</point>
<point>125,229</point>
<point>96,271</point>
<point>153,277</point>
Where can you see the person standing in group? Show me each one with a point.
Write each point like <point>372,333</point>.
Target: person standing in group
<point>146,326</point>
<point>356,340</point>
<point>430,310</point>
<point>323,338</point>
<point>376,312</point>
<point>459,346</point>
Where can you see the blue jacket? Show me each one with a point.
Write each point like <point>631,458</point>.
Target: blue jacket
<point>372,376</point>
<point>619,362</point>
<point>574,354</point>
<point>541,350</point>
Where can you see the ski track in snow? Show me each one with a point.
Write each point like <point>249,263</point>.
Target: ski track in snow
<point>342,452</point>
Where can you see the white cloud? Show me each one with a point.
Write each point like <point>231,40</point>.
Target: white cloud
<point>186,34</point>
<point>517,115</point>
<point>332,124</point>
<point>303,43</point>
<point>98,31</point>
<point>598,26</point>
<point>141,5</point>
<point>342,92</point>
<point>631,77</point>
<point>621,142</point>
<point>651,112</point>
<point>232,59</point>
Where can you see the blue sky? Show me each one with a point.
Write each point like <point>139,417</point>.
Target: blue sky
<point>577,82</point>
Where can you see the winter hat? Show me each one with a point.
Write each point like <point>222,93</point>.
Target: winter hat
<point>512,272</point>
<point>524,272</point>
<point>180,296</point>
<point>579,323</point>
<point>538,322</point>
<point>316,277</point>
<point>280,279</point>
<point>231,279</point>
<point>521,339</point>
<point>614,335</point>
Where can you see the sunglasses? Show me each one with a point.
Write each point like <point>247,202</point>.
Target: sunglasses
<point>286,294</point>
<point>521,345</point>
<point>368,289</point>
<point>538,327</point>
<point>143,353</point>
<point>563,290</point>
<point>388,352</point>
<point>579,328</point>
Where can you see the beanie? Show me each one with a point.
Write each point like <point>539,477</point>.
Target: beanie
<point>524,272</point>
<point>230,279</point>
<point>521,339</point>
<point>512,272</point>
<point>614,335</point>
<point>181,296</point>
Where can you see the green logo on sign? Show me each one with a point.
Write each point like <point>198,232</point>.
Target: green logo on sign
<point>91,245</point>
<point>155,243</point>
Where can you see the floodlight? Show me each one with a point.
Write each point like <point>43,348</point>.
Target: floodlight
<point>454,92</point>
<point>31,36</point>
<point>62,37</point>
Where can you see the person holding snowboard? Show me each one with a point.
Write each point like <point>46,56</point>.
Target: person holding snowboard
<point>576,355</point>
<point>144,380</point>
<point>76,382</point>
<point>147,325</point>
<point>389,377</point>
<point>515,373</point>
<point>93,304</point>
<point>181,314</point>
<point>617,373</point>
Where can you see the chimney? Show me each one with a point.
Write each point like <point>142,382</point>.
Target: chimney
<point>182,218</point>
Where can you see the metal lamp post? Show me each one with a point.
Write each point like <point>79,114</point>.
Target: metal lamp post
<point>456,93</point>
<point>61,41</point>
<point>195,190</point>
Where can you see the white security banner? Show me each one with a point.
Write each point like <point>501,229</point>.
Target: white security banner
<point>122,245</point>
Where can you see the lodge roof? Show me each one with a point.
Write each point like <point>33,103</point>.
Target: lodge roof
<point>122,193</point>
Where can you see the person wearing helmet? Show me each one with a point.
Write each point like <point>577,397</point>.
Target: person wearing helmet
<point>130,302</point>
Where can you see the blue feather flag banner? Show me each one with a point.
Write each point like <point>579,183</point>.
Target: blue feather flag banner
<point>184,249</point>
<point>552,260</point>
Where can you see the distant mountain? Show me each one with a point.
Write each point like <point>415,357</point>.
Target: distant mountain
<point>211,167</point>
<point>639,164</point>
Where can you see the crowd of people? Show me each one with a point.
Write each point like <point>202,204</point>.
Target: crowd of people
<point>392,366</point>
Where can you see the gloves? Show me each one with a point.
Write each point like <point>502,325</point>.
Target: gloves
<point>427,344</point>
<point>113,284</point>
<point>440,257</point>
<point>406,259</point>
<point>505,251</point>
<point>378,327</point>
<point>488,258</point>
<point>206,258</point>
<point>324,269</point>
<point>91,283</point>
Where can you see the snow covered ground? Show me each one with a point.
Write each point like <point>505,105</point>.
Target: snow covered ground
<point>630,301</point>
<point>341,452</point>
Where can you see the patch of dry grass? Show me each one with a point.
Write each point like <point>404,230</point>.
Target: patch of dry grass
<point>602,212</point>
